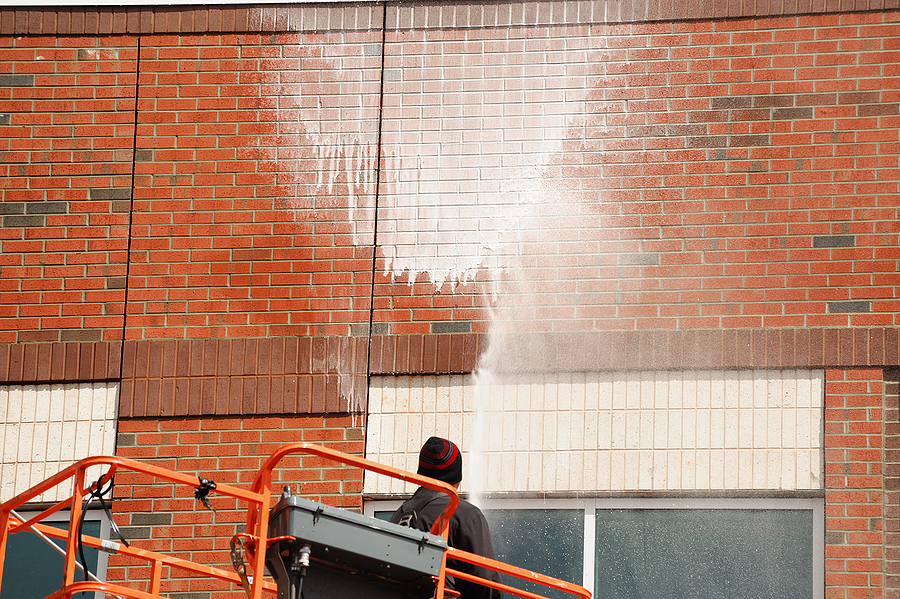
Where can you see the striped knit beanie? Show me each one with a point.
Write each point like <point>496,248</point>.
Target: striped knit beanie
<point>441,459</point>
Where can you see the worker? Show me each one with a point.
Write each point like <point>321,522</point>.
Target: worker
<point>441,459</point>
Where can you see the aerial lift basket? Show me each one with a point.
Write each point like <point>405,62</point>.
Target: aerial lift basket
<point>308,549</point>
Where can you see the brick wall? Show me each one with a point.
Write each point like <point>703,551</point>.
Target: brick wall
<point>66,138</point>
<point>253,189</point>
<point>166,518</point>
<point>736,174</point>
<point>855,483</point>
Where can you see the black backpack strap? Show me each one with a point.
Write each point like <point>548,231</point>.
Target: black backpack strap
<point>409,519</point>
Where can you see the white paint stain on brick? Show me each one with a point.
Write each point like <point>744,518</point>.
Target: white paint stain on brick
<point>466,164</point>
<point>467,160</point>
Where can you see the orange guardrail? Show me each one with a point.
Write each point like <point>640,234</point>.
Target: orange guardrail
<point>104,587</point>
<point>257,500</point>
<point>503,568</point>
<point>75,473</point>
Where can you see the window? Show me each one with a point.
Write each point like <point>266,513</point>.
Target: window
<point>709,553</point>
<point>33,570</point>
<point>634,548</point>
<point>542,540</point>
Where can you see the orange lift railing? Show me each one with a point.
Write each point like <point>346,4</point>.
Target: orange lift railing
<point>254,542</point>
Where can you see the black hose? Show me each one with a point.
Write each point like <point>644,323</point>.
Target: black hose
<point>298,592</point>
<point>97,492</point>
<point>84,564</point>
<point>297,586</point>
<point>299,563</point>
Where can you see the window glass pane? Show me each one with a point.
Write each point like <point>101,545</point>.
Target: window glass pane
<point>708,554</point>
<point>33,570</point>
<point>547,541</point>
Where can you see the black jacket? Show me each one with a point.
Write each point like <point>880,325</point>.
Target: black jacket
<point>468,531</point>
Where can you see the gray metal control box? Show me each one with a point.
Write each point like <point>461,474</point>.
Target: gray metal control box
<point>357,545</point>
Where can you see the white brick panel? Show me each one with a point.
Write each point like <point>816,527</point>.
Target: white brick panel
<point>574,432</point>
<point>45,428</point>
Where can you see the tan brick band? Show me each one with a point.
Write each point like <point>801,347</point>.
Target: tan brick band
<point>328,374</point>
